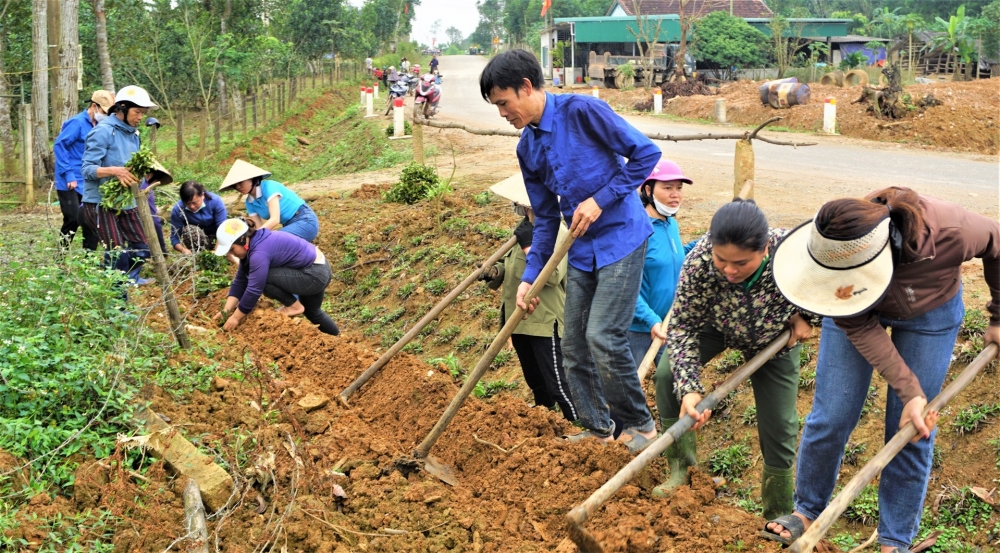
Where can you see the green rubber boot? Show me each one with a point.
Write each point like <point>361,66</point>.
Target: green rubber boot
<point>680,455</point>
<point>776,488</point>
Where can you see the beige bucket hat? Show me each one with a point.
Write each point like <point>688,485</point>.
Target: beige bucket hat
<point>240,172</point>
<point>831,277</point>
<point>513,189</point>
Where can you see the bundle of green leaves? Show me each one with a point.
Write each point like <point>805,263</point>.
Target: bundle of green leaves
<point>117,196</point>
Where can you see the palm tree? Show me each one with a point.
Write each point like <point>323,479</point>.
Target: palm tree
<point>911,21</point>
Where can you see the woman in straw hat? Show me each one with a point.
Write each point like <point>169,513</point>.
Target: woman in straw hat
<point>269,204</point>
<point>278,265</point>
<point>538,338</point>
<point>892,259</point>
<point>726,298</point>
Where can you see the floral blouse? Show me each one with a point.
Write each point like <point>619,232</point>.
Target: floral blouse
<point>748,318</point>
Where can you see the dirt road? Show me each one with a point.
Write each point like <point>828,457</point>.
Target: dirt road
<point>805,177</point>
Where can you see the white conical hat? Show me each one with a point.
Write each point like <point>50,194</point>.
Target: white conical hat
<point>240,172</point>
<point>513,189</point>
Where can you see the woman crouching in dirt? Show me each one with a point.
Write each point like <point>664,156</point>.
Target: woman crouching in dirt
<point>278,265</point>
<point>726,298</point>
<point>892,259</point>
<point>270,204</point>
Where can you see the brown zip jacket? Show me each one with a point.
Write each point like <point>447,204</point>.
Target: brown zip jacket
<point>926,278</point>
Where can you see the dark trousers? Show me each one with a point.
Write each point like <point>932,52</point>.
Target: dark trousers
<point>69,205</point>
<point>118,230</point>
<point>542,364</point>
<point>309,284</point>
<point>775,389</point>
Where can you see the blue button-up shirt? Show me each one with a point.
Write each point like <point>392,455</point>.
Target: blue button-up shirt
<point>68,149</point>
<point>109,144</point>
<point>575,153</point>
<point>209,218</point>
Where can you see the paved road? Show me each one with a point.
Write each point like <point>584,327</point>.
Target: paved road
<point>837,166</point>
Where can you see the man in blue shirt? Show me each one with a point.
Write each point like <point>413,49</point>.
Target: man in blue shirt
<point>68,150</point>
<point>570,155</point>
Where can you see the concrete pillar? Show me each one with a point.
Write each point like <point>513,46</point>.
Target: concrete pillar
<point>830,115</point>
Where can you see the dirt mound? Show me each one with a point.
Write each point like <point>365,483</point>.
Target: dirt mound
<point>966,119</point>
<point>517,480</point>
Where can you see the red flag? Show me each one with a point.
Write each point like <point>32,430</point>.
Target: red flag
<point>545,6</point>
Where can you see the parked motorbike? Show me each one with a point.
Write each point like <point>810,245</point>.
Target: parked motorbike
<point>426,97</point>
<point>399,89</point>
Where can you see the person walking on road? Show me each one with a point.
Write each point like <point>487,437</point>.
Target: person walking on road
<point>890,260</point>
<point>727,298</point>
<point>68,149</point>
<point>570,155</point>
<point>537,339</point>
<point>278,265</point>
<point>661,194</point>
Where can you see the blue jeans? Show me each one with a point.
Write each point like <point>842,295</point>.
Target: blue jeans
<point>842,379</point>
<point>303,224</point>
<point>639,343</point>
<point>599,364</point>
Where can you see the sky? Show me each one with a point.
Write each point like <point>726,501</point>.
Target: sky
<point>461,14</point>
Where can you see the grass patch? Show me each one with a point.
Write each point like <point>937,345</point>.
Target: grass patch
<point>730,462</point>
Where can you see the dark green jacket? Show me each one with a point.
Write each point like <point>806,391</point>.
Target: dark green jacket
<point>552,298</point>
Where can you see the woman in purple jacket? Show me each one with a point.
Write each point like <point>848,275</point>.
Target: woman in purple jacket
<point>278,265</point>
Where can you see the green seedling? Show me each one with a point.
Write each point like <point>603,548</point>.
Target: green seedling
<point>730,462</point>
<point>437,286</point>
<point>864,508</point>
<point>466,344</point>
<point>749,416</point>
<point>406,290</point>
<point>853,452</point>
<point>448,334</point>
<point>971,418</point>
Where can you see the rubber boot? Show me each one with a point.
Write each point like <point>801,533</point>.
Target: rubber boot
<point>776,488</point>
<point>680,455</point>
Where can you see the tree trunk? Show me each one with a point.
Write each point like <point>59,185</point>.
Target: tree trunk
<point>104,59</point>
<point>40,89</point>
<point>6,128</point>
<point>54,42</point>
<point>69,47</point>
<point>681,53</point>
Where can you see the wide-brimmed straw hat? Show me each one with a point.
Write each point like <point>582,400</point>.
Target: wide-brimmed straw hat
<point>513,189</point>
<point>834,277</point>
<point>240,172</point>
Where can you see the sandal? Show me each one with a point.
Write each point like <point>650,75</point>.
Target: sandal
<point>634,441</point>
<point>791,523</point>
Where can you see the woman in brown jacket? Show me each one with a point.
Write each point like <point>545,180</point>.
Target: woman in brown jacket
<point>892,259</point>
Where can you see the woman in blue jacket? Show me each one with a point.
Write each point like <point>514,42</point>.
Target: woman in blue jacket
<point>109,147</point>
<point>662,194</point>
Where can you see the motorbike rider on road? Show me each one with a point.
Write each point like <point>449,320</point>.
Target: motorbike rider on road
<point>429,93</point>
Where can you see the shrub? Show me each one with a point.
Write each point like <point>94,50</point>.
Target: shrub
<point>69,349</point>
<point>415,183</point>
<point>407,129</point>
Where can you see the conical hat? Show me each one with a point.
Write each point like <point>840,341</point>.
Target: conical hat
<point>240,172</point>
<point>513,189</point>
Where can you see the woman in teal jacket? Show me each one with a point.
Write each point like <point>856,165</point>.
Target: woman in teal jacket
<point>661,194</point>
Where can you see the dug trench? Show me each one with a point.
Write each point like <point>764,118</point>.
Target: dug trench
<point>313,475</point>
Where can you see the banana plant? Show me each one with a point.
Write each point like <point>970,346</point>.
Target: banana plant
<point>955,38</point>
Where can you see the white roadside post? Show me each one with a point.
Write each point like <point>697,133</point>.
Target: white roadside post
<point>398,120</point>
<point>376,90</point>
<point>720,110</point>
<point>657,101</point>
<point>369,103</point>
<point>830,115</point>
<point>595,92</point>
